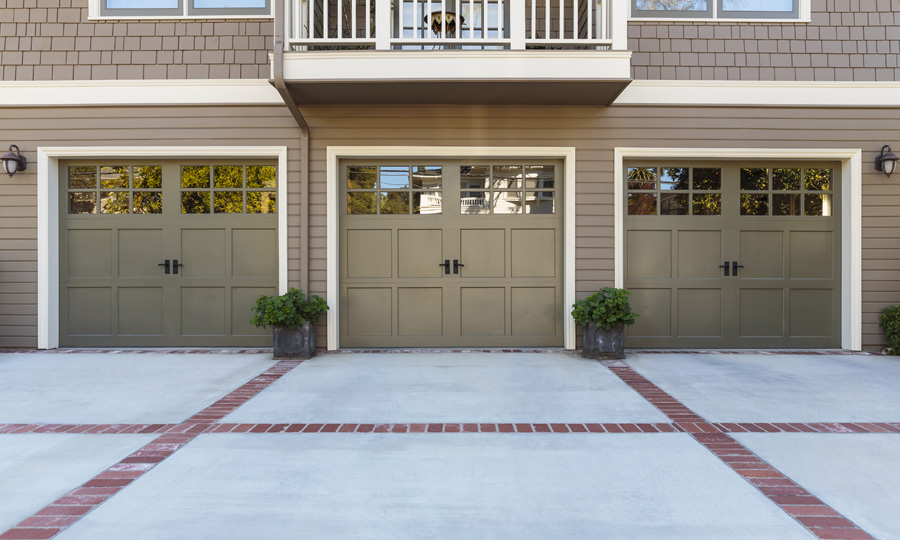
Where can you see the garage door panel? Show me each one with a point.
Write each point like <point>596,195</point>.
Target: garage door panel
<point>812,312</point>
<point>483,251</point>
<point>242,301</point>
<point>140,311</point>
<point>203,252</point>
<point>699,312</point>
<point>654,307</point>
<point>534,311</point>
<point>699,254</point>
<point>368,253</point>
<point>369,311</point>
<point>420,251</point>
<point>89,253</point>
<point>649,255</point>
<point>254,253</point>
<point>762,313</point>
<point>762,254</point>
<point>90,311</point>
<point>420,311</point>
<point>482,311</point>
<point>203,311</point>
<point>140,252</point>
<point>533,252</point>
<point>811,254</point>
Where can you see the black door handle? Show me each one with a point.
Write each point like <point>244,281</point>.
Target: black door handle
<point>734,268</point>
<point>446,266</point>
<point>175,266</point>
<point>166,265</point>
<point>725,266</point>
<point>456,266</point>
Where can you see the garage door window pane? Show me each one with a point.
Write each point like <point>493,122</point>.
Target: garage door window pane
<point>114,202</point>
<point>394,177</point>
<point>230,176</point>
<point>708,179</point>
<point>642,178</point>
<point>82,202</point>
<point>147,177</point>
<point>817,205</point>
<point>786,179</point>
<point>540,176</point>
<point>707,204</point>
<point>194,202</point>
<point>785,204</point>
<point>673,204</point>
<point>754,179</point>
<point>395,202</point>
<point>361,203</point>
<point>475,202</point>
<point>195,177</point>
<point>260,176</point>
<point>147,202</point>
<point>507,176</point>
<point>114,177</point>
<point>818,179</point>
<point>539,202</point>
<point>259,202</point>
<point>228,202</point>
<point>674,179</point>
<point>507,202</point>
<point>82,177</point>
<point>642,204</point>
<point>475,177</point>
<point>754,205</point>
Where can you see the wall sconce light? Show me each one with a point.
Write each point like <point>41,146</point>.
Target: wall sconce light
<point>14,162</point>
<point>886,162</point>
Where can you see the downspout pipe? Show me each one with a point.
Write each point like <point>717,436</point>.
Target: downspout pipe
<point>278,82</point>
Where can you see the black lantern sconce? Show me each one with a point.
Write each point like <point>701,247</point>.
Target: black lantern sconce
<point>14,162</point>
<point>886,162</point>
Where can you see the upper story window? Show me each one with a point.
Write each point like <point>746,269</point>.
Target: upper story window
<point>183,8</point>
<point>716,9</point>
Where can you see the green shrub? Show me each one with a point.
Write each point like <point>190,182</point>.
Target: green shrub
<point>605,308</point>
<point>890,323</point>
<point>291,309</point>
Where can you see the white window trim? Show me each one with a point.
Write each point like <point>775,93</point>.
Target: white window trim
<point>804,16</point>
<point>94,15</point>
<point>851,215</point>
<point>48,159</point>
<point>337,153</point>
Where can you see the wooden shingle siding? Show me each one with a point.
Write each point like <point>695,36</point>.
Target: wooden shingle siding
<point>54,40</point>
<point>846,40</point>
<point>594,132</point>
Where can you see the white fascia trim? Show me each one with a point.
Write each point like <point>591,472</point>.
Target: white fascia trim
<point>761,93</point>
<point>851,215</point>
<point>139,92</point>
<point>413,66</point>
<point>336,153</point>
<point>48,215</point>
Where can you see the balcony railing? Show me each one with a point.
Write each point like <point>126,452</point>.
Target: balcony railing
<point>450,24</point>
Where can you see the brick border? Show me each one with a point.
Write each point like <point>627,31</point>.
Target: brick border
<point>817,517</point>
<point>62,513</point>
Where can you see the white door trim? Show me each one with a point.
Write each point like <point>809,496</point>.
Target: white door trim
<point>336,153</point>
<point>48,216</point>
<point>851,215</point>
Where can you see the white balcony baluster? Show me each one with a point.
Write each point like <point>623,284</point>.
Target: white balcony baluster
<point>501,24</point>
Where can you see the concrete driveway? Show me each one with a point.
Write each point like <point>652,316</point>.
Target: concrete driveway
<point>525,445</point>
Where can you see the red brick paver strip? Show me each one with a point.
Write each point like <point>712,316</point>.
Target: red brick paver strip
<point>820,519</point>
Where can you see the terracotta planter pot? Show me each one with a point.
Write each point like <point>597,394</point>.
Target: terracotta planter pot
<point>604,344</point>
<point>294,343</point>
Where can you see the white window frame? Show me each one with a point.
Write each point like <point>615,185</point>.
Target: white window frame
<point>804,15</point>
<point>95,12</point>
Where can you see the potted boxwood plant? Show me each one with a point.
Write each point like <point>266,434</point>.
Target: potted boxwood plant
<point>292,317</point>
<point>604,316</point>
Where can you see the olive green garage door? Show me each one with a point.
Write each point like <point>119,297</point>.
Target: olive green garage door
<point>451,254</point>
<point>165,254</point>
<point>733,255</point>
